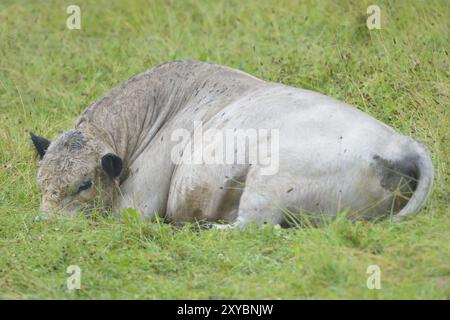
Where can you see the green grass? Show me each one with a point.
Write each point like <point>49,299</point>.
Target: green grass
<point>49,74</point>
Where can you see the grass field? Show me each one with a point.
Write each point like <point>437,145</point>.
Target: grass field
<point>49,74</point>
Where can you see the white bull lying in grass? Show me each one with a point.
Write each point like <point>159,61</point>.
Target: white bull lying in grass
<point>302,152</point>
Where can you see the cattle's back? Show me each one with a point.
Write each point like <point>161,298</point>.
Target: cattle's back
<point>130,115</point>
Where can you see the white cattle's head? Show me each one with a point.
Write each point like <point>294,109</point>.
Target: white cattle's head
<point>74,172</point>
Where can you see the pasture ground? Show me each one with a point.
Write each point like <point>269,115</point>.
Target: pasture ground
<point>49,74</point>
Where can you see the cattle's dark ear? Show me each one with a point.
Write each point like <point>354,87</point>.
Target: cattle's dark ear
<point>41,144</point>
<point>112,164</point>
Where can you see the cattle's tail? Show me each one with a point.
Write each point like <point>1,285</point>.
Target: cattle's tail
<point>424,174</point>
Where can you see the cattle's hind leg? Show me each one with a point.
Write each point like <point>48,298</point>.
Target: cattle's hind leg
<point>258,204</point>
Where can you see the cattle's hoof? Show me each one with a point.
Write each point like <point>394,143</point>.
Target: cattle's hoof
<point>216,226</point>
<point>207,226</point>
<point>39,218</point>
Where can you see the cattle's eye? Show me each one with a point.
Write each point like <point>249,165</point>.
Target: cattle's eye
<point>85,185</point>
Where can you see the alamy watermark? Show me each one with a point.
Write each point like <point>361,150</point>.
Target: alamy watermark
<point>74,19</point>
<point>227,146</point>
<point>74,278</point>
<point>374,279</point>
<point>374,19</point>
